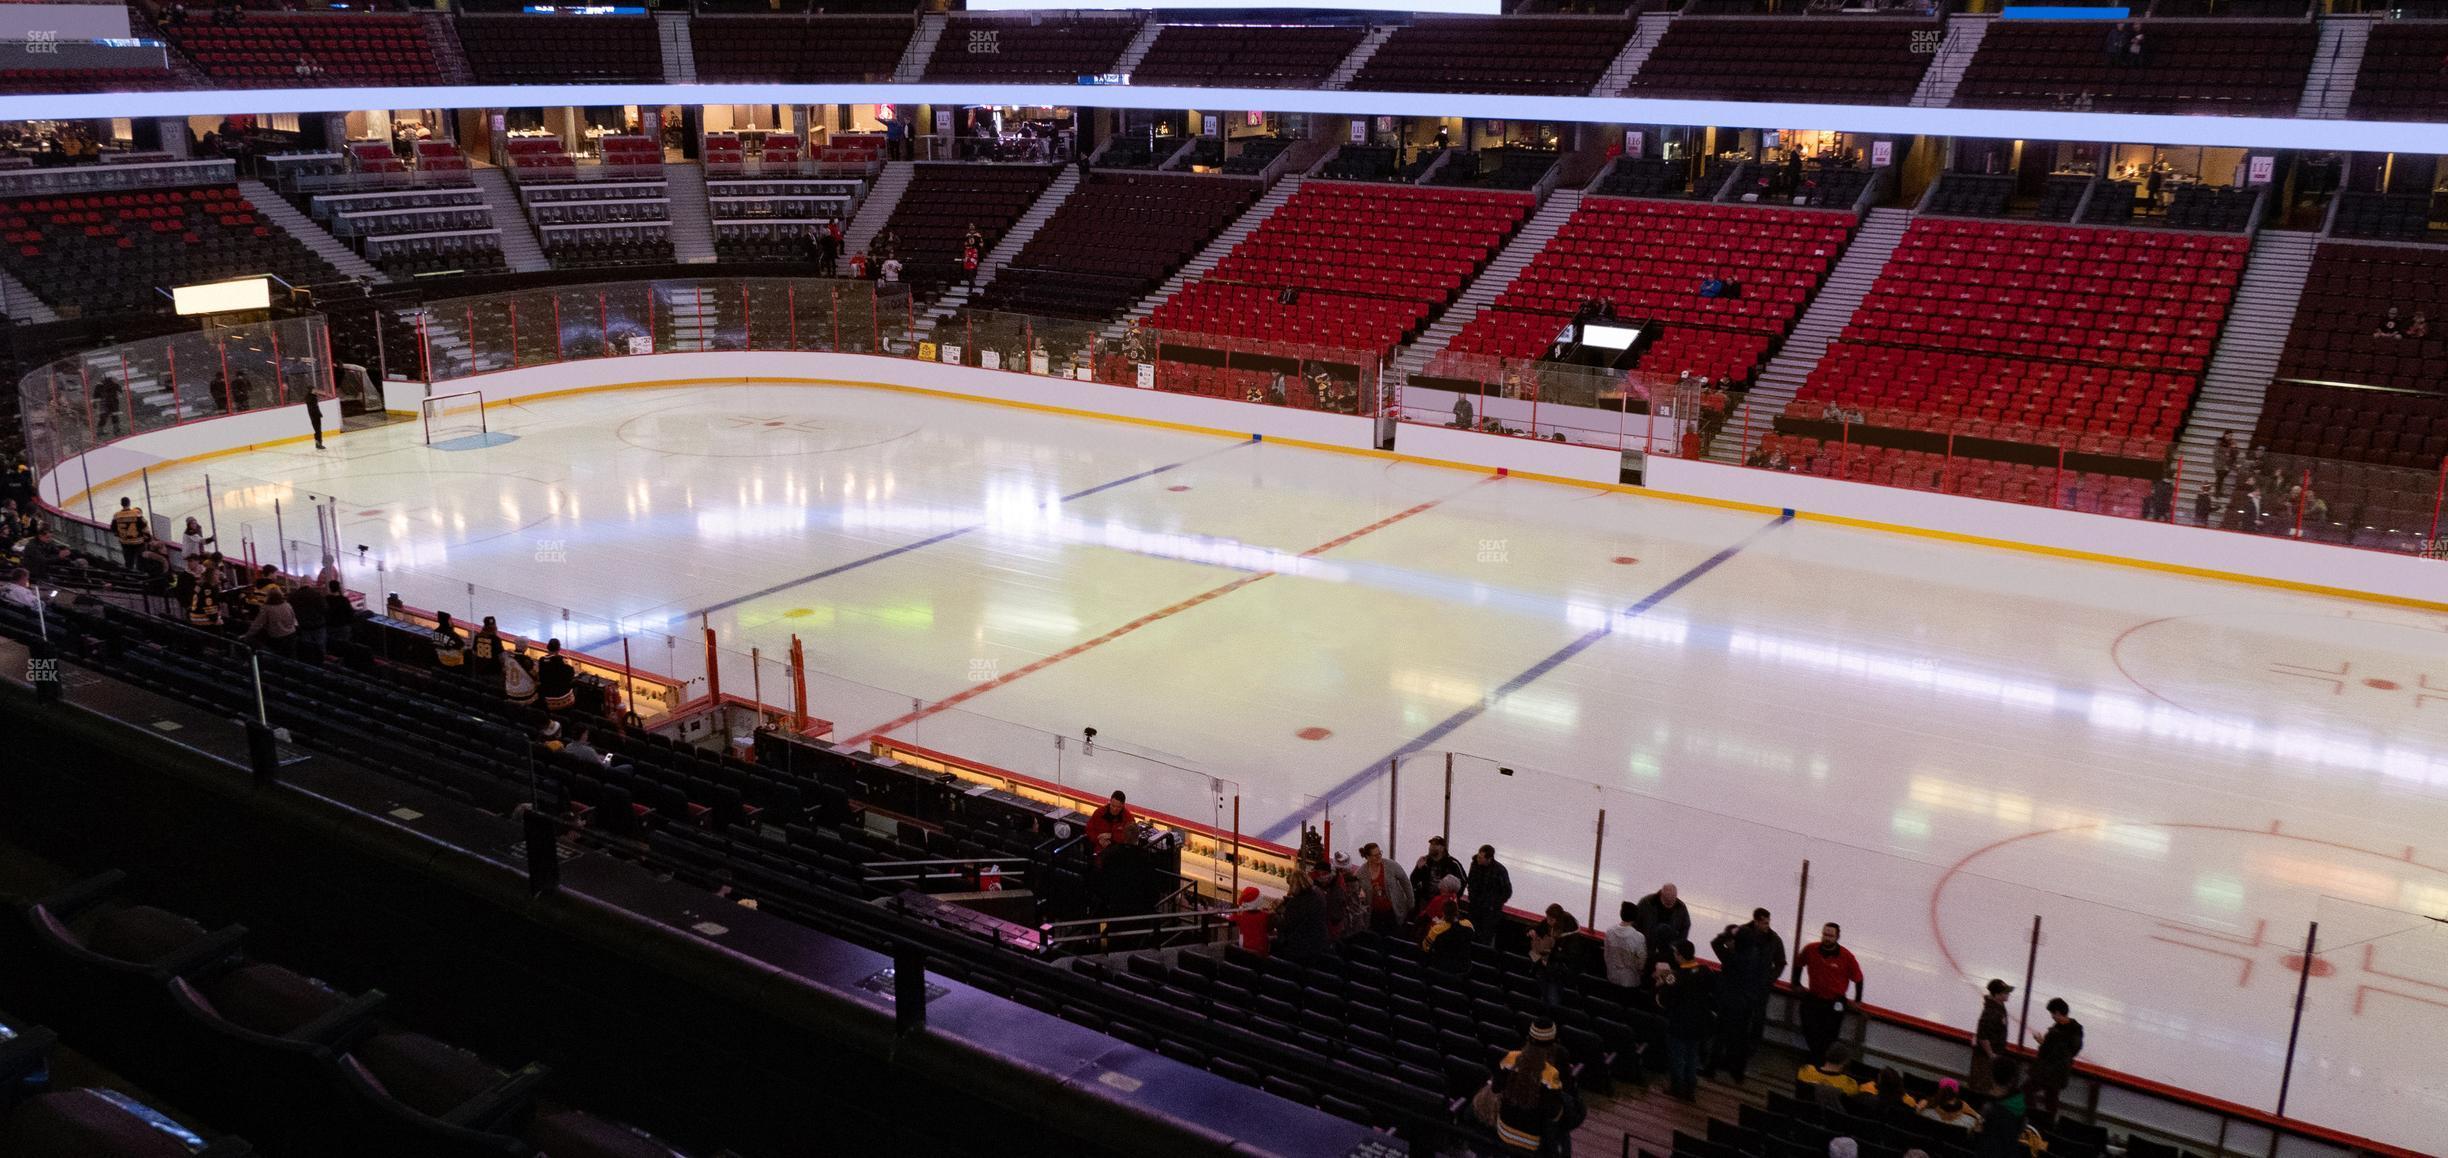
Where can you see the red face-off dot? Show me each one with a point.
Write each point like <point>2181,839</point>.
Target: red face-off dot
<point>2381,685</point>
<point>1178,488</point>
<point>2293,963</point>
<point>1625,560</point>
<point>1313,732</point>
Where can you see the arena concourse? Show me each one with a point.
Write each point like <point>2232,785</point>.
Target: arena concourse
<point>1709,579</point>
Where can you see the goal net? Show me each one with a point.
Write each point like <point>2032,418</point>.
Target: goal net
<point>449,417</point>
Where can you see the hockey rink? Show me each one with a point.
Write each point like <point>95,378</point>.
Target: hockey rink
<point>2175,776</point>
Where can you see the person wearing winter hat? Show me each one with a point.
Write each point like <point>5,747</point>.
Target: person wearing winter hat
<point>1529,1091</point>
<point>1251,921</point>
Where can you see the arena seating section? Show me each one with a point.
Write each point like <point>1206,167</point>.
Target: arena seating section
<point>260,1048</point>
<point>1648,258</point>
<point>1370,264</point>
<point>2401,78</point>
<point>985,48</point>
<point>103,253</point>
<point>1114,240</point>
<point>2195,66</point>
<point>263,50</point>
<point>1512,54</point>
<point>1287,57</point>
<point>560,49</point>
<point>807,50</point>
<point>1841,60</point>
<point>2054,336</point>
<point>33,80</point>
<point>943,201</point>
<point>2349,291</point>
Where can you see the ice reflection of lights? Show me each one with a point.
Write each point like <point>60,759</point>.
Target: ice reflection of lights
<point>752,522</point>
<point>1527,706</point>
<point>1653,628</point>
<point>1917,671</point>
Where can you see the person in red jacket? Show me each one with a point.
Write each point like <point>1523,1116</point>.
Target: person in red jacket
<point>1114,820</point>
<point>1827,969</point>
<point>1251,920</point>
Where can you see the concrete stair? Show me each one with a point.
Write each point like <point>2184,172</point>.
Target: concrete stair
<point>1816,330</point>
<point>2236,383</point>
<point>1137,50</point>
<point>20,304</point>
<point>1342,76</point>
<point>449,58</point>
<point>693,320</point>
<point>692,220</point>
<point>877,209</point>
<point>1207,258</point>
<point>1483,290</point>
<point>521,247</point>
<point>1013,241</point>
<point>679,53</point>
<point>921,49</point>
<point>1645,37</point>
<point>1963,38</point>
<point>277,209</point>
<point>2329,90</point>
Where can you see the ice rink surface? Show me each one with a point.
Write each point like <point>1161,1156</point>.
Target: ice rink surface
<point>2175,775</point>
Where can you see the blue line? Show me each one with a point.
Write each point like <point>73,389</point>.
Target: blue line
<point>1530,675</point>
<point>947,536</point>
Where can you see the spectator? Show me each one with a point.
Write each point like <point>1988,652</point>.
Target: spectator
<point>1690,1005</point>
<point>2060,1044</point>
<point>2249,506</point>
<point>1551,951</point>
<point>275,626</point>
<point>1450,930</point>
<point>339,618</point>
<point>1894,1104</point>
<point>193,543</point>
<point>1750,958</point>
<point>308,606</point>
<point>204,596</point>
<point>108,397</point>
<point>1444,903</point>
<point>314,418</point>
<point>1627,950</point>
<point>128,526</point>
<point>556,680</point>
<point>1989,1033</point>
<point>1529,1092</point>
<point>1833,1072</point>
<point>2133,51</point>
<point>1251,921</point>
<point>1948,1106</point>
<point>2117,35</point>
<point>1302,933</point>
<point>450,651</point>
<point>2159,505</point>
<point>1712,286</point>
<point>2000,1134</point>
<point>19,591</point>
<point>2223,459</point>
<point>1664,919</point>
<point>1489,886</point>
<point>330,573</point>
<point>1111,822</point>
<point>1432,867</point>
<point>1346,909</point>
<point>485,647</point>
<point>858,266</point>
<point>2420,327</point>
<point>582,746</point>
<point>1827,968</point>
<point>518,683</point>
<point>1388,891</point>
<point>2390,327</point>
<point>2203,506</point>
<point>892,270</point>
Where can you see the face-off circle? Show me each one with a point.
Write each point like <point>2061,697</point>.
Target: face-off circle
<point>2367,669</point>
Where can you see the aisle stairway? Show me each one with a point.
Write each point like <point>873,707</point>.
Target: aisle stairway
<point>1846,285</point>
<point>1014,239</point>
<point>679,52</point>
<point>877,208</point>
<point>2329,90</point>
<point>521,247</point>
<point>692,221</point>
<point>1137,50</point>
<point>1207,258</point>
<point>277,209</point>
<point>1342,76</point>
<point>1635,53</point>
<point>450,60</point>
<point>2237,382</point>
<point>20,304</point>
<point>921,49</point>
<point>1500,272</point>
<point>1964,33</point>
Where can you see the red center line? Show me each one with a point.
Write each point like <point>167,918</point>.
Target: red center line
<point>983,687</point>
